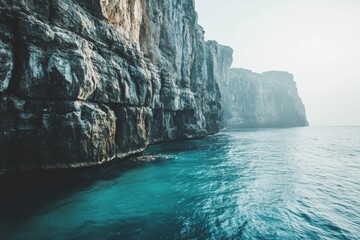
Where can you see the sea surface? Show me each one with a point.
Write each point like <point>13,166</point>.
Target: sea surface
<point>300,183</point>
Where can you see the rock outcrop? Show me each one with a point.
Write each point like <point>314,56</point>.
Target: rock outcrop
<point>83,82</point>
<point>269,99</point>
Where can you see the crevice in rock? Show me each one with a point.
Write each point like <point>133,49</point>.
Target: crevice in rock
<point>20,54</point>
<point>51,12</point>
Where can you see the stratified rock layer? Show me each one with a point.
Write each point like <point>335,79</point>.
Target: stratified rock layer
<point>269,99</point>
<point>85,81</point>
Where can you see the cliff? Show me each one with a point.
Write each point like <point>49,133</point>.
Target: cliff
<point>269,99</point>
<point>83,82</point>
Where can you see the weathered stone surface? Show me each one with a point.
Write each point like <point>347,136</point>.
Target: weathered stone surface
<point>85,81</point>
<point>269,99</point>
<point>219,60</point>
<point>54,134</point>
<point>6,65</point>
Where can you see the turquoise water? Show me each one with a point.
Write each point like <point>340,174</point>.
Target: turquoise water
<point>301,183</point>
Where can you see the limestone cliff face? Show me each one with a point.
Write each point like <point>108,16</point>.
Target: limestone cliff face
<point>269,99</point>
<point>85,81</point>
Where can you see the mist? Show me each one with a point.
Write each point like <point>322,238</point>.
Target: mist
<point>317,41</point>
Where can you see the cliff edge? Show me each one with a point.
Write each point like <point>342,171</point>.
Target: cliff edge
<point>83,82</point>
<point>269,99</point>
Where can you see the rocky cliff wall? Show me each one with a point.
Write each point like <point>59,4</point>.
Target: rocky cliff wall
<point>269,99</point>
<point>83,82</point>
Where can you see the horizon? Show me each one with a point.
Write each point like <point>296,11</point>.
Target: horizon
<point>314,41</point>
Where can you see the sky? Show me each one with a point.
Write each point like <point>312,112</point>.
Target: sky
<point>316,40</point>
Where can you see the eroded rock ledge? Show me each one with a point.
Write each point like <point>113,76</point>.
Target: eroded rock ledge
<point>85,81</point>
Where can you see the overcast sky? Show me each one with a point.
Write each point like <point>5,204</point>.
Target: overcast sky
<point>316,40</point>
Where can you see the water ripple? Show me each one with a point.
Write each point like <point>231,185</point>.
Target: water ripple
<point>301,183</point>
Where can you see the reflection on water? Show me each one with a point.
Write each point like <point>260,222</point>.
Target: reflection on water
<point>301,183</point>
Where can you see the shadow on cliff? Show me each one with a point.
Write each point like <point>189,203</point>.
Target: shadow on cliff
<point>24,194</point>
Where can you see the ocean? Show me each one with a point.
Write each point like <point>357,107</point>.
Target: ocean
<point>298,183</point>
